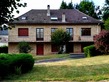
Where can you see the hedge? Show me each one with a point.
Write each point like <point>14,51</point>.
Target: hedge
<point>15,64</point>
<point>90,51</point>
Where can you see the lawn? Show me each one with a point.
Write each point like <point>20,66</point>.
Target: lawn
<point>51,56</point>
<point>86,69</point>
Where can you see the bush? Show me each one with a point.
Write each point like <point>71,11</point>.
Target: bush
<point>15,64</point>
<point>101,41</point>
<point>3,49</point>
<point>90,51</point>
<point>24,47</point>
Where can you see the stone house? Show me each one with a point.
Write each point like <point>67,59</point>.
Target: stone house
<point>36,27</point>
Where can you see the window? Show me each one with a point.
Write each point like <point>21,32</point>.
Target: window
<point>70,31</point>
<point>86,32</point>
<point>53,30</point>
<point>22,31</point>
<point>39,34</point>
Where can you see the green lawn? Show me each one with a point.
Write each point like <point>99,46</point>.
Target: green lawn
<point>87,69</point>
<point>51,56</point>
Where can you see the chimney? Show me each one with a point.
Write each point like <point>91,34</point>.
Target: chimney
<point>48,10</point>
<point>63,17</point>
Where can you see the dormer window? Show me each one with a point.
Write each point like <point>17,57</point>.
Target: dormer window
<point>84,18</point>
<point>54,18</point>
<point>24,18</point>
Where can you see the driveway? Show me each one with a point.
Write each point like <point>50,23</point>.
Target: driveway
<point>72,56</point>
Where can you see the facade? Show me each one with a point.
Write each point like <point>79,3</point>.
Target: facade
<point>36,27</point>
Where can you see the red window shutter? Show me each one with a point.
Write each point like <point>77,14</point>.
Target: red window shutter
<point>23,32</point>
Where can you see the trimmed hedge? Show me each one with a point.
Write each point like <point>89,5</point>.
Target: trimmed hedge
<point>3,49</point>
<point>15,64</point>
<point>90,51</point>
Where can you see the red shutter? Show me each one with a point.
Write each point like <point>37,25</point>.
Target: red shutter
<point>23,32</point>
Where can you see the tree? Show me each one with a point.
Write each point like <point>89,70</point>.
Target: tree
<point>60,38</point>
<point>63,5</point>
<point>24,47</point>
<point>106,24</point>
<point>106,10</point>
<point>101,41</point>
<point>89,8</point>
<point>6,9</point>
<point>70,5</point>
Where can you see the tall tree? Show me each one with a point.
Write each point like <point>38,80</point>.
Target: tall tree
<point>63,5</point>
<point>88,8</point>
<point>106,10</point>
<point>70,5</point>
<point>60,38</point>
<point>6,9</point>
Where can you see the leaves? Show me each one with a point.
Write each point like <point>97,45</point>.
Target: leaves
<point>101,41</point>
<point>89,8</point>
<point>6,9</point>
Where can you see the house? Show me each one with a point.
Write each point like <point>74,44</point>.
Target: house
<point>36,27</point>
<point>4,37</point>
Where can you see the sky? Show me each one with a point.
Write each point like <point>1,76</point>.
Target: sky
<point>54,4</point>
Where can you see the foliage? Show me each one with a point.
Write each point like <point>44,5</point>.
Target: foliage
<point>70,6</point>
<point>7,7</point>
<point>90,51</point>
<point>60,38</point>
<point>15,63</point>
<point>89,8</point>
<point>106,10</point>
<point>106,24</point>
<point>101,41</point>
<point>24,47</point>
<point>65,6</point>
<point>3,49</point>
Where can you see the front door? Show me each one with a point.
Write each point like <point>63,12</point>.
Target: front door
<point>40,49</point>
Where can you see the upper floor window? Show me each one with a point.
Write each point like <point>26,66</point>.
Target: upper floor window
<point>70,31</point>
<point>86,32</point>
<point>39,34</point>
<point>53,30</point>
<point>22,31</point>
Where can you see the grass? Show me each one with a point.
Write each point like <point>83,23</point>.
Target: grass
<point>51,56</point>
<point>82,70</point>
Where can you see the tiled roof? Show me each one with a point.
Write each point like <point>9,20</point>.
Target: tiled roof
<point>73,16</point>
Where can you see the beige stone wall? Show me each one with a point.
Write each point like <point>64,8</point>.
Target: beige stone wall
<point>14,49</point>
<point>77,48</point>
<point>47,49</point>
<point>13,34</point>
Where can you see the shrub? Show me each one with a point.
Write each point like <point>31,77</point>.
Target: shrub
<point>101,41</point>
<point>90,51</point>
<point>24,47</point>
<point>3,49</point>
<point>15,63</point>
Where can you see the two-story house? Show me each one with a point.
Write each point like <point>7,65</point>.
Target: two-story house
<point>36,27</point>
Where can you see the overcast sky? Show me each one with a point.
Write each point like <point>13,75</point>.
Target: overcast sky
<point>54,4</point>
